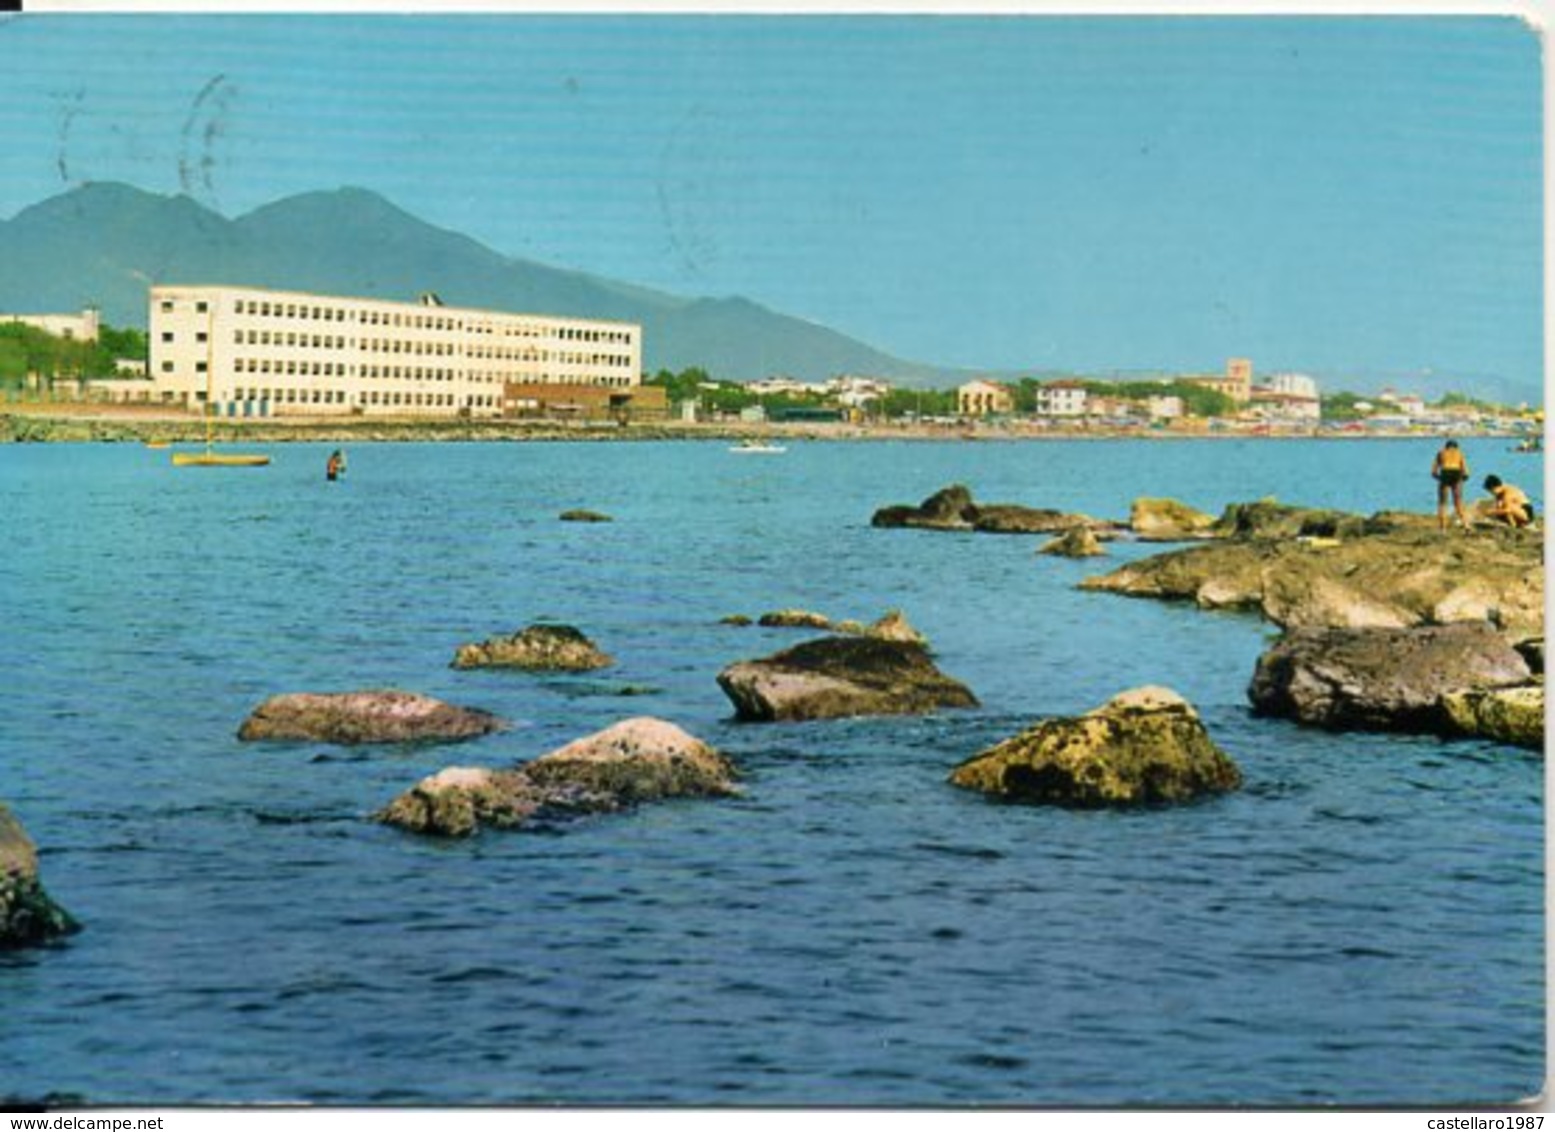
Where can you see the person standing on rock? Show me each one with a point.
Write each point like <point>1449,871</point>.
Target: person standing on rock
<point>1510,504</point>
<point>1450,470</point>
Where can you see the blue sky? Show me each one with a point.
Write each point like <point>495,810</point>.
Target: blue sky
<point>1349,197</point>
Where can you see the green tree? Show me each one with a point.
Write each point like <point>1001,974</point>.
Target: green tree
<point>1343,406</point>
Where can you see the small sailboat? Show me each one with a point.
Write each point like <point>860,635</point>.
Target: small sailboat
<point>211,458</point>
<point>757,448</point>
<point>159,444</point>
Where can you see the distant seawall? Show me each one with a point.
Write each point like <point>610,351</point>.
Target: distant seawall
<point>52,426</point>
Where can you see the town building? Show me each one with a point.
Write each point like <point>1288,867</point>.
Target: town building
<point>1236,383</point>
<point>83,327</point>
<point>1065,398</point>
<point>982,398</point>
<point>1297,383</point>
<point>1164,407</point>
<point>1269,404</point>
<point>260,352</point>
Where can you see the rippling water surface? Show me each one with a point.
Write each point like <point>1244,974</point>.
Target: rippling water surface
<point>1361,924</point>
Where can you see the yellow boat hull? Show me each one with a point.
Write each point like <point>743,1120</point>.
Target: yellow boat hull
<point>217,460</point>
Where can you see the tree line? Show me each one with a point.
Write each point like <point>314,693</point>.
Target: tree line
<point>28,350</point>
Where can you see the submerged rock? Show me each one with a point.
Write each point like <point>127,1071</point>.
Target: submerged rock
<point>1077,542</point>
<point>1167,520</point>
<point>635,761</point>
<point>376,716</point>
<point>581,515</point>
<point>1383,679</point>
<point>738,619</point>
<point>794,619</point>
<point>1143,746</point>
<point>1506,715</point>
<point>540,648</point>
<point>1383,580</point>
<point>841,676</point>
<point>27,914</point>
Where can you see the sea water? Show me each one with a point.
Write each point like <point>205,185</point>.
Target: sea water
<point>1361,924</point>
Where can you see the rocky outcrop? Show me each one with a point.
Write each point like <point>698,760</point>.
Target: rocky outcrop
<point>948,509</point>
<point>1383,679</point>
<point>1506,715</point>
<point>1167,520</point>
<point>1397,579</point>
<point>841,676</point>
<point>953,509</point>
<point>27,915</point>
<point>635,761</point>
<point>540,648</point>
<point>1144,746</point>
<point>376,716</point>
<point>1269,518</point>
<point>1076,542</point>
<point>737,619</point>
<point>892,626</point>
<point>582,515</point>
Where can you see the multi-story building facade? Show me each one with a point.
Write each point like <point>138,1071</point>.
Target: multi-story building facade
<point>260,352</point>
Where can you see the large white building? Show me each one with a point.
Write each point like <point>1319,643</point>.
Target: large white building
<point>261,353</point>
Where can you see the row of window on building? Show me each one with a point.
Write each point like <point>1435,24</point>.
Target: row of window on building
<point>295,396</point>
<point>267,308</point>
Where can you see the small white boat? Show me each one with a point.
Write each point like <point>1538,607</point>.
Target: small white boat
<point>757,448</point>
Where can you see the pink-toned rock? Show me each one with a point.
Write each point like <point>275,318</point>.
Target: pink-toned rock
<point>384,715</point>
<point>637,760</point>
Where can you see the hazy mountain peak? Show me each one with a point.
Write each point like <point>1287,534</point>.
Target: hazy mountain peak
<point>102,242</point>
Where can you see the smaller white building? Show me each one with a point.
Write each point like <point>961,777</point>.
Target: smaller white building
<point>1168,407</point>
<point>83,327</point>
<point>1062,399</point>
<point>1298,384</point>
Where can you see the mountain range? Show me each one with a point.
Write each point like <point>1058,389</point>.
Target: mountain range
<point>104,243</point>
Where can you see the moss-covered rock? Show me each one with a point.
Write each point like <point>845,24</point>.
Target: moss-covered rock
<point>27,914</point>
<point>1168,520</point>
<point>539,648</point>
<point>1076,542</point>
<point>1144,746</point>
<point>1507,715</point>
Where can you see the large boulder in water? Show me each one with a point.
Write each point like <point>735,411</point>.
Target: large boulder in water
<point>27,915</point>
<point>1167,520</point>
<point>638,760</point>
<point>1144,746</point>
<point>948,509</point>
<point>841,676</point>
<point>953,509</point>
<point>539,648</point>
<point>1382,679</point>
<point>635,761</point>
<point>385,715</point>
<point>1384,580</point>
